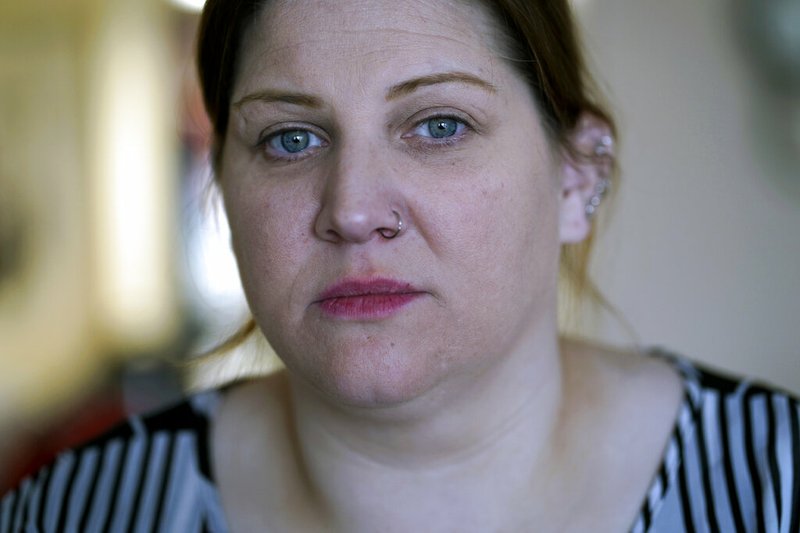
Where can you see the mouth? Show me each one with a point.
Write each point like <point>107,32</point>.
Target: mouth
<point>366,299</point>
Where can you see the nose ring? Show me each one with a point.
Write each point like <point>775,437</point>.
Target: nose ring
<point>388,233</point>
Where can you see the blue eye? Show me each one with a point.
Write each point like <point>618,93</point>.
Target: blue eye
<point>293,142</point>
<point>440,128</point>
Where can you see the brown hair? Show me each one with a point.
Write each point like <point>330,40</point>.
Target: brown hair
<point>539,39</point>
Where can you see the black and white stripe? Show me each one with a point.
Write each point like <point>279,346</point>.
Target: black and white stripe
<point>150,474</point>
<point>737,460</point>
<point>732,464</point>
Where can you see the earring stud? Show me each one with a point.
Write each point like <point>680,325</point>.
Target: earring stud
<point>594,202</point>
<point>604,145</point>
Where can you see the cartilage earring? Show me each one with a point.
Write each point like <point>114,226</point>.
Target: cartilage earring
<point>388,233</point>
<point>604,145</point>
<point>594,202</point>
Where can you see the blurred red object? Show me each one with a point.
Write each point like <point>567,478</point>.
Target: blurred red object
<point>30,451</point>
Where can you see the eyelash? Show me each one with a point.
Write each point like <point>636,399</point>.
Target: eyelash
<point>424,142</point>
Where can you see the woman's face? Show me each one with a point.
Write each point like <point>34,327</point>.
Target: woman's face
<point>345,113</point>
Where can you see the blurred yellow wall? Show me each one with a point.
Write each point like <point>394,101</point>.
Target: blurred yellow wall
<point>87,180</point>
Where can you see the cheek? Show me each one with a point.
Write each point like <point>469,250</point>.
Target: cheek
<point>504,216</point>
<point>520,233</point>
<point>507,246</point>
<point>270,237</point>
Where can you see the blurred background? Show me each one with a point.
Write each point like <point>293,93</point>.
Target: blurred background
<point>115,265</point>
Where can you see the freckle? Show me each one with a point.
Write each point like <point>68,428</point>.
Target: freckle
<point>391,345</point>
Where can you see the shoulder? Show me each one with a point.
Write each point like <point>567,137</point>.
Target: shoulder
<point>149,470</point>
<point>739,411</point>
<point>628,380</point>
<point>737,453</point>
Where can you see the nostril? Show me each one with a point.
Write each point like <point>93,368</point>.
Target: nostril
<point>391,233</point>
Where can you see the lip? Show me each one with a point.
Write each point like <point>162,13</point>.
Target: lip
<point>366,299</point>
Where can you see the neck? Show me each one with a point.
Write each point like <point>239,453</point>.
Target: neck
<point>497,426</point>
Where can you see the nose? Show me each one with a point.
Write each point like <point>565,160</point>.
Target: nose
<point>359,201</point>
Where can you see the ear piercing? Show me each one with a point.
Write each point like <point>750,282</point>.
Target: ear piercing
<point>600,191</point>
<point>603,147</point>
<point>388,233</point>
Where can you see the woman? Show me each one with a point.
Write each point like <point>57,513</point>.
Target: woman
<point>401,179</point>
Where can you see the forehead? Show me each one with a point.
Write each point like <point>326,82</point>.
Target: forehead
<point>319,41</point>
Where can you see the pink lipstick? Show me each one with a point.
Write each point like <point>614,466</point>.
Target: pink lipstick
<point>366,299</point>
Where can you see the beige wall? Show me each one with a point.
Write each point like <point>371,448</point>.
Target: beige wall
<point>86,177</point>
<point>702,253</point>
<point>44,311</point>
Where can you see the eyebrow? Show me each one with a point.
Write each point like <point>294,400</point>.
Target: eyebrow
<point>271,95</point>
<point>408,87</point>
<point>396,91</point>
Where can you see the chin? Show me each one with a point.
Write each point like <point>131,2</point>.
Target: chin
<point>369,378</point>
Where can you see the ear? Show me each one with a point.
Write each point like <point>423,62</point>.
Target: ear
<point>586,169</point>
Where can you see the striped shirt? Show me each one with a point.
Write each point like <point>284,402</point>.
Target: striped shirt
<point>732,464</point>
